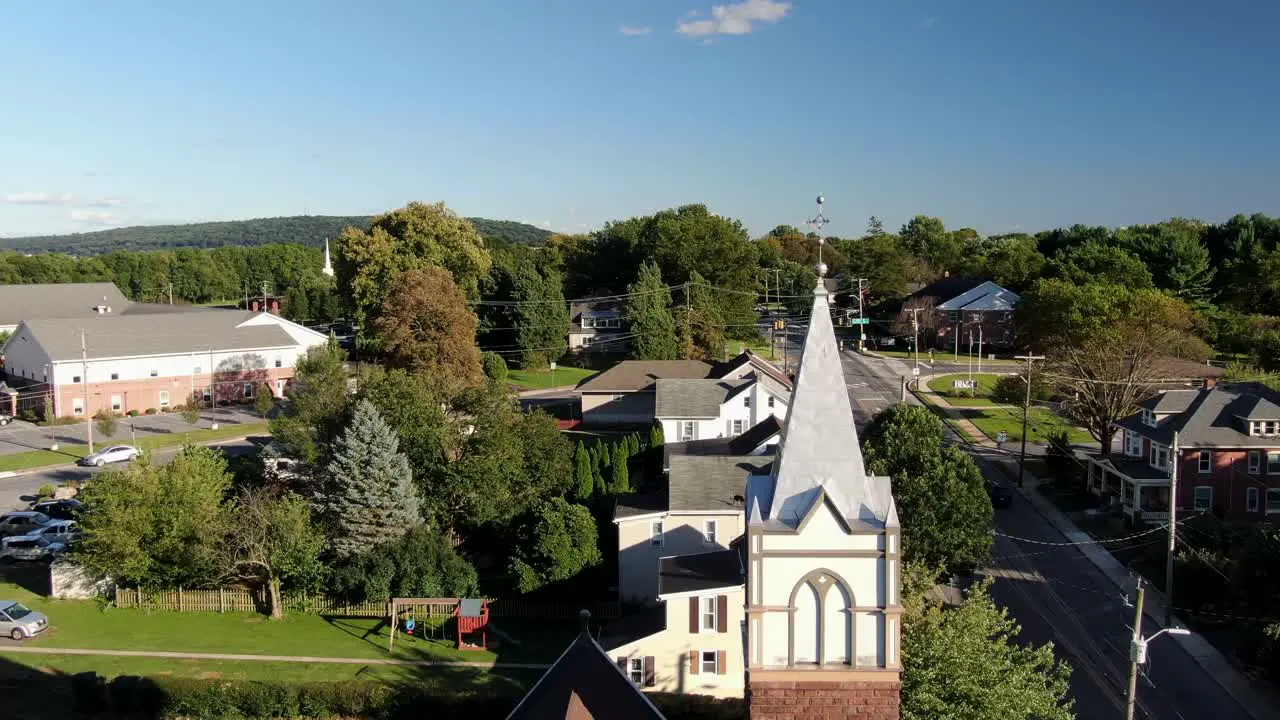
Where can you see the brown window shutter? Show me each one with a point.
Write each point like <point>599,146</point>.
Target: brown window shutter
<point>722,613</point>
<point>721,656</point>
<point>648,671</point>
<point>693,615</point>
<point>622,665</point>
<point>693,662</point>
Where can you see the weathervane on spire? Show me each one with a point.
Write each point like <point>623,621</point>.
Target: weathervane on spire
<point>817,223</point>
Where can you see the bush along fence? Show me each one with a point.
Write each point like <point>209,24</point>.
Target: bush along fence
<point>224,600</point>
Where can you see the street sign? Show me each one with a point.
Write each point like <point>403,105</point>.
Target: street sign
<point>915,371</point>
<point>962,384</point>
<point>861,321</point>
<point>553,365</point>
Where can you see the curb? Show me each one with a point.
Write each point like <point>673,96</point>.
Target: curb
<point>72,465</point>
<point>1258,701</point>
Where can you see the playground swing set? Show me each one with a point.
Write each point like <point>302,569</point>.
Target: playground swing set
<point>471,621</point>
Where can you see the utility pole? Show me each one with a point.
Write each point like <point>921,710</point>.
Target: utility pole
<point>170,293</point>
<point>1173,532</point>
<point>915,340</point>
<point>1137,652</point>
<point>1026,413</point>
<point>979,346</point>
<point>862,329</point>
<point>903,396</point>
<point>84,385</point>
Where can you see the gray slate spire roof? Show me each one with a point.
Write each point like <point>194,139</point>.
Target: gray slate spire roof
<point>819,456</point>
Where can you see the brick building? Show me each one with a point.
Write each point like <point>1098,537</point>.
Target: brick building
<point>1228,455</point>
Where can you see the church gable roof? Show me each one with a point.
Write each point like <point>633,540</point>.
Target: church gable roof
<point>819,455</point>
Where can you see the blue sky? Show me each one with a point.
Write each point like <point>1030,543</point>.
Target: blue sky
<point>994,114</point>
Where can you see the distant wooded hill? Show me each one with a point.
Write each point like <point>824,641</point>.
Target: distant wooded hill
<point>304,229</point>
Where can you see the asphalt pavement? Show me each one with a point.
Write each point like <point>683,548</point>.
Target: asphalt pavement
<point>18,492</point>
<point>22,436</point>
<point>1056,594</point>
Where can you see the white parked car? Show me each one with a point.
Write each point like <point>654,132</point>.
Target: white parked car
<point>22,522</point>
<point>19,621</point>
<point>110,454</point>
<point>31,548</point>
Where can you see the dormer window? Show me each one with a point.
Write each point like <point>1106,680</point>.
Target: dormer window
<point>1148,418</point>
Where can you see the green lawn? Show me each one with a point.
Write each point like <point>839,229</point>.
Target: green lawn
<point>944,357</point>
<point>545,379</point>
<point>83,624</point>
<point>981,397</point>
<point>1043,422</point>
<point>70,452</point>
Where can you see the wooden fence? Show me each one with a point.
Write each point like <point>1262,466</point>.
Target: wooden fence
<point>240,600</point>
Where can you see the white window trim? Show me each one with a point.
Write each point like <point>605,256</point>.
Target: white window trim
<point>164,398</point>
<point>693,430</point>
<point>1251,499</point>
<point>710,532</point>
<point>660,538</point>
<point>1205,462</point>
<point>77,406</point>
<point>1194,501</point>
<point>248,391</point>
<point>715,662</point>
<point>1255,462</point>
<point>703,615</point>
<point>1269,470</point>
<point>634,664</point>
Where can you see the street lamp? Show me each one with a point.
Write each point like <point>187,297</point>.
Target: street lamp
<point>1138,647</point>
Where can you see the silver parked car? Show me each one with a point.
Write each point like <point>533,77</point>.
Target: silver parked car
<point>31,548</point>
<point>22,522</point>
<point>63,531</point>
<point>110,454</point>
<point>19,621</point>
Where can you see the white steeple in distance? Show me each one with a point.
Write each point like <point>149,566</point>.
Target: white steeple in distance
<point>328,266</point>
<point>818,453</point>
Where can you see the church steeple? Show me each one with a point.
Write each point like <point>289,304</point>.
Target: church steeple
<point>328,266</point>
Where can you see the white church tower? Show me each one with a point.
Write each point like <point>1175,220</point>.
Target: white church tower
<point>328,266</point>
<point>823,613</point>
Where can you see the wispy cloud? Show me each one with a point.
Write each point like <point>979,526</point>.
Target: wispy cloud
<point>635,30</point>
<point>928,23</point>
<point>43,198</point>
<point>38,198</point>
<point>96,217</point>
<point>735,19</point>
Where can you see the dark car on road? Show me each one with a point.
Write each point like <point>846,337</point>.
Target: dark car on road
<point>66,509</point>
<point>1001,494</point>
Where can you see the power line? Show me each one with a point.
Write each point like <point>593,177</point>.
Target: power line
<point>1080,542</point>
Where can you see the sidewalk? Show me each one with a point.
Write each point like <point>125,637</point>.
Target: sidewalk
<point>270,658</point>
<point>1262,701</point>
<point>21,436</point>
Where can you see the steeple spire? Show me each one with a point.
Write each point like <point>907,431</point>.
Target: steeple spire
<point>328,266</point>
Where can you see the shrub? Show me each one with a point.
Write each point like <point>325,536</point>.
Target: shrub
<point>1012,390</point>
<point>132,413</point>
<point>46,491</point>
<point>150,411</point>
<point>495,368</point>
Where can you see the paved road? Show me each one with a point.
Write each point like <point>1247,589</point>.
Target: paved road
<point>22,436</point>
<point>16,493</point>
<point>1056,594</point>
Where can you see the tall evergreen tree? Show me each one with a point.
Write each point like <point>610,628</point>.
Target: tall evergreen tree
<point>368,495</point>
<point>584,476</point>
<point>621,480</point>
<point>649,317</point>
<point>699,322</point>
<point>542,317</point>
<point>655,436</point>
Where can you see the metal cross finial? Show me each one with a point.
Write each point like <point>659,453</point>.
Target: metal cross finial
<point>817,223</point>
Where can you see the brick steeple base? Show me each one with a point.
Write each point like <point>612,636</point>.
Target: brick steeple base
<point>819,700</point>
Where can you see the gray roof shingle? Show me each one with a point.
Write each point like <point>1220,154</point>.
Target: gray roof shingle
<point>108,336</point>
<point>707,483</point>
<point>1212,418</point>
<point>57,300</point>
<point>633,375</point>
<point>685,398</point>
<point>699,571</point>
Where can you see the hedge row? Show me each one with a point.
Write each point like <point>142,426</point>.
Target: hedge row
<point>127,698</point>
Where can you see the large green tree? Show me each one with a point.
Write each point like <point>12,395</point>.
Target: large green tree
<point>554,540</point>
<point>967,663</point>
<point>941,495</point>
<point>368,496</point>
<point>1094,261</point>
<point>649,318</point>
<point>158,525</point>
<point>318,400</point>
<point>1012,261</point>
<point>1104,345</point>
<point>415,236</point>
<point>271,542</point>
<point>540,317</point>
<point>422,563</point>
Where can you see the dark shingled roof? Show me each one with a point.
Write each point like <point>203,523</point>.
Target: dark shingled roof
<point>943,289</point>
<point>694,398</point>
<point>708,483</point>
<point>633,375</point>
<point>698,572</point>
<point>634,626</point>
<point>640,504</point>
<point>754,436</point>
<point>741,445</point>
<point>1211,418</point>
<point>583,684</point>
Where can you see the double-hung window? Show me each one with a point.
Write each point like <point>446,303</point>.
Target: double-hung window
<point>655,533</point>
<point>710,666</point>
<point>1273,500</point>
<point>1273,463</point>
<point>736,427</point>
<point>1251,499</point>
<point>635,671</point>
<point>707,621</point>
<point>709,532</point>
<point>1206,461</point>
<point>1203,498</point>
<point>686,430</point>
<point>1255,462</point>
